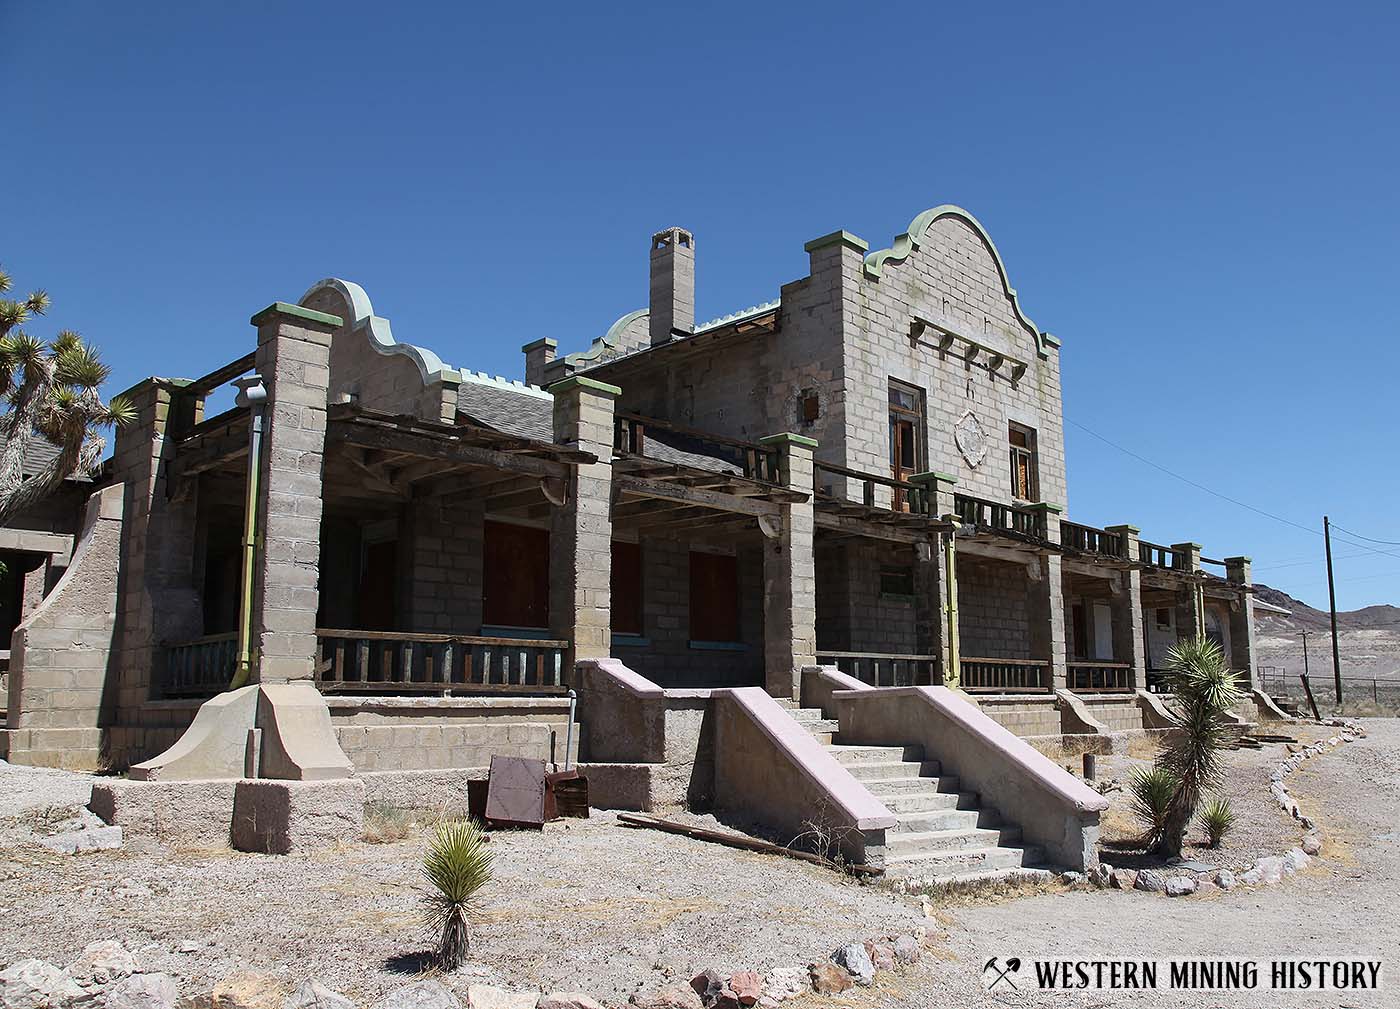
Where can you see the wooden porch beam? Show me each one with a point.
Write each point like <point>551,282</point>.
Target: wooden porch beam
<point>641,487</point>
<point>430,447</point>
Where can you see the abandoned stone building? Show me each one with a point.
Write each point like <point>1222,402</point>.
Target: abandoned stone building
<point>731,542</point>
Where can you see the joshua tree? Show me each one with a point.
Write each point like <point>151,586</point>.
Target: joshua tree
<point>458,864</point>
<point>1203,689</point>
<point>52,389</point>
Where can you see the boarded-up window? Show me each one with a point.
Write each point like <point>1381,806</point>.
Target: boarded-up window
<point>714,597</point>
<point>516,562</point>
<point>1025,480</point>
<point>626,588</point>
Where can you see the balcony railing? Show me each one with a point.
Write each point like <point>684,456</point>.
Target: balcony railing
<point>394,661</point>
<point>1009,676</point>
<point>1157,556</point>
<point>916,499</point>
<point>1101,676</point>
<point>633,435</point>
<point>200,668</point>
<point>1092,540</point>
<point>1000,517</point>
<point>884,669</point>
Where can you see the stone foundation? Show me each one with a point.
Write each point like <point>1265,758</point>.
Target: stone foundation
<point>280,817</point>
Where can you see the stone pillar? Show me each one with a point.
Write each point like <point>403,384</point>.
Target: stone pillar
<point>790,574</point>
<point>580,543</point>
<point>1129,644</point>
<point>1237,572</point>
<point>936,614</point>
<point>1047,600</point>
<point>1190,600</point>
<point>293,358</point>
<point>538,356</point>
<point>940,488</point>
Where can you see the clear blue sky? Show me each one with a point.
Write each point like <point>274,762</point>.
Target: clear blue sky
<point>1200,201</point>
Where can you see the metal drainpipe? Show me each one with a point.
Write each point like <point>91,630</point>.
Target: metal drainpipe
<point>253,395</point>
<point>952,677</point>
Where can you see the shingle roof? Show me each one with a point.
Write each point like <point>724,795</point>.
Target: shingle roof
<point>37,454</point>
<point>525,411</point>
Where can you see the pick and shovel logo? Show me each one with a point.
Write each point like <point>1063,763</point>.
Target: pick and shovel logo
<point>997,977</point>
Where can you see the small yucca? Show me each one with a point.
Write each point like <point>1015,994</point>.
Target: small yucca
<point>1152,790</point>
<point>1216,819</point>
<point>458,864</point>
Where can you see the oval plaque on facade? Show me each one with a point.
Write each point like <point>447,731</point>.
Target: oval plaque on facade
<point>971,439</point>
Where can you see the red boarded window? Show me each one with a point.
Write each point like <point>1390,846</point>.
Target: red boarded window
<point>626,588</point>
<point>516,562</point>
<point>714,597</point>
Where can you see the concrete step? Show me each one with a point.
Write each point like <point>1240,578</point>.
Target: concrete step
<point>849,755</point>
<point>952,818</point>
<point>930,841</point>
<point>825,725</point>
<point>928,801</point>
<point>899,771</point>
<point>881,787</point>
<point>962,864</point>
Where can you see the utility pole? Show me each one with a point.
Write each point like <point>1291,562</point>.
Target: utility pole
<point>1305,652</point>
<point>1332,601</point>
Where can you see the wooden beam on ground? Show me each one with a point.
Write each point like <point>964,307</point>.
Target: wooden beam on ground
<point>740,841</point>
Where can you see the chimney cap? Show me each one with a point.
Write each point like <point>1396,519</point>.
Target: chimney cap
<point>672,236</point>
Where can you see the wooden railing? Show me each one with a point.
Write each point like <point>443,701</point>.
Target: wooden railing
<point>754,461</point>
<point>1011,676</point>
<point>1100,676</point>
<point>1000,517</point>
<point>200,668</point>
<point>903,496</point>
<point>1092,540</point>
<point>392,661</point>
<point>1157,556</point>
<point>884,669</point>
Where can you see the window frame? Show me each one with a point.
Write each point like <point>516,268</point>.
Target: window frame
<point>1030,454</point>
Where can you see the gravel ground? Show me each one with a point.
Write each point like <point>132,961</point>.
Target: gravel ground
<point>598,907</point>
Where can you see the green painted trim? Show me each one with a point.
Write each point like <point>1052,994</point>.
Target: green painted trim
<point>907,242</point>
<point>1046,506</point>
<point>1133,530</point>
<point>296,311</point>
<point>543,341</point>
<point>580,382</point>
<point>931,476</point>
<point>842,237</point>
<point>1186,546</point>
<point>1239,560</point>
<point>788,438</point>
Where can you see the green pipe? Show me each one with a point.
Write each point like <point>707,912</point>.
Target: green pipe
<point>252,394</point>
<point>953,675</point>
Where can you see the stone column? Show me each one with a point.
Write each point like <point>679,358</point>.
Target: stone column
<point>1237,572</point>
<point>1129,645</point>
<point>1190,602</point>
<point>790,574</point>
<point>1047,601</point>
<point>293,358</point>
<point>580,543</point>
<point>940,488</point>
<point>936,614</point>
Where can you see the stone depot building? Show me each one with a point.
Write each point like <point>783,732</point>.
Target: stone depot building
<point>750,565</point>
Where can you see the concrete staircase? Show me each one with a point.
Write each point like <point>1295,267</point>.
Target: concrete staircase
<point>942,833</point>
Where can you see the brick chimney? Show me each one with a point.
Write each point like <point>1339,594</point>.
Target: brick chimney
<point>672,284</point>
<point>538,356</point>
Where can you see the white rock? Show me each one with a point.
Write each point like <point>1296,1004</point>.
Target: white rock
<point>102,963</point>
<point>143,991</point>
<point>1225,879</point>
<point>1180,886</point>
<point>906,949</point>
<point>568,1000</point>
<point>1270,869</point>
<point>783,983</point>
<point>484,996</point>
<point>423,995</point>
<point>314,995</point>
<point>1295,860</point>
<point>1150,880</point>
<point>37,984</point>
<point>857,963</point>
<point>1312,844</point>
<point>1251,877</point>
<point>91,839</point>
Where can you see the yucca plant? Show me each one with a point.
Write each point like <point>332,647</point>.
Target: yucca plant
<point>1203,690</point>
<point>458,864</point>
<point>1216,819</point>
<point>1152,789</point>
<point>52,389</point>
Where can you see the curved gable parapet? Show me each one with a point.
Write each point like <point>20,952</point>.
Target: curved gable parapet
<point>610,340</point>
<point>376,328</point>
<point>910,240</point>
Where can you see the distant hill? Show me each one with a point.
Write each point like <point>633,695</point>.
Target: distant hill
<point>1381,617</point>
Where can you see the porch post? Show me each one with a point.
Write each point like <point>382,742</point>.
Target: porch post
<point>580,543</point>
<point>790,574</point>
<point>1047,600</point>
<point>941,491</point>
<point>1190,603</point>
<point>1128,642</point>
<point>1238,572</point>
<point>935,575</point>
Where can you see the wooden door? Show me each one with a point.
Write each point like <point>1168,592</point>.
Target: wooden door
<point>515,592</point>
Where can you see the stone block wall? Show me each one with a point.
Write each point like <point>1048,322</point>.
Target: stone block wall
<point>994,609</point>
<point>854,614</point>
<point>1025,716</point>
<point>1119,714</point>
<point>442,574</point>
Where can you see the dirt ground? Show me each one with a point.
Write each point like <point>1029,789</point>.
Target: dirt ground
<point>598,907</point>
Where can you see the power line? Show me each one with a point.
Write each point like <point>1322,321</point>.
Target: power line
<point>1389,543</point>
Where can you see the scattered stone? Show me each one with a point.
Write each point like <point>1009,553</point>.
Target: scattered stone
<point>829,979</point>
<point>485,996</point>
<point>1181,886</point>
<point>1102,874</point>
<point>880,955</point>
<point>746,986</point>
<point>423,995</point>
<point>246,990</point>
<point>144,991</point>
<point>784,983</point>
<point>191,947</point>
<point>1296,859</point>
<point>90,839</point>
<point>37,984</point>
<point>1225,879</point>
<point>568,1000</point>
<point>1124,879</point>
<point>1150,880</point>
<point>1312,844</point>
<point>314,995</point>
<point>906,949</point>
<point>857,963</point>
<point>1072,878</point>
<point>102,963</point>
<point>707,985</point>
<point>670,996</point>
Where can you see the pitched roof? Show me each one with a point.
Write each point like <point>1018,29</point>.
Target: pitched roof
<point>526,411</point>
<point>37,454</point>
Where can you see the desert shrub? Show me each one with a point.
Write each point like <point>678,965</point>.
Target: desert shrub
<point>1152,789</point>
<point>385,824</point>
<point>458,864</point>
<point>1216,819</point>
